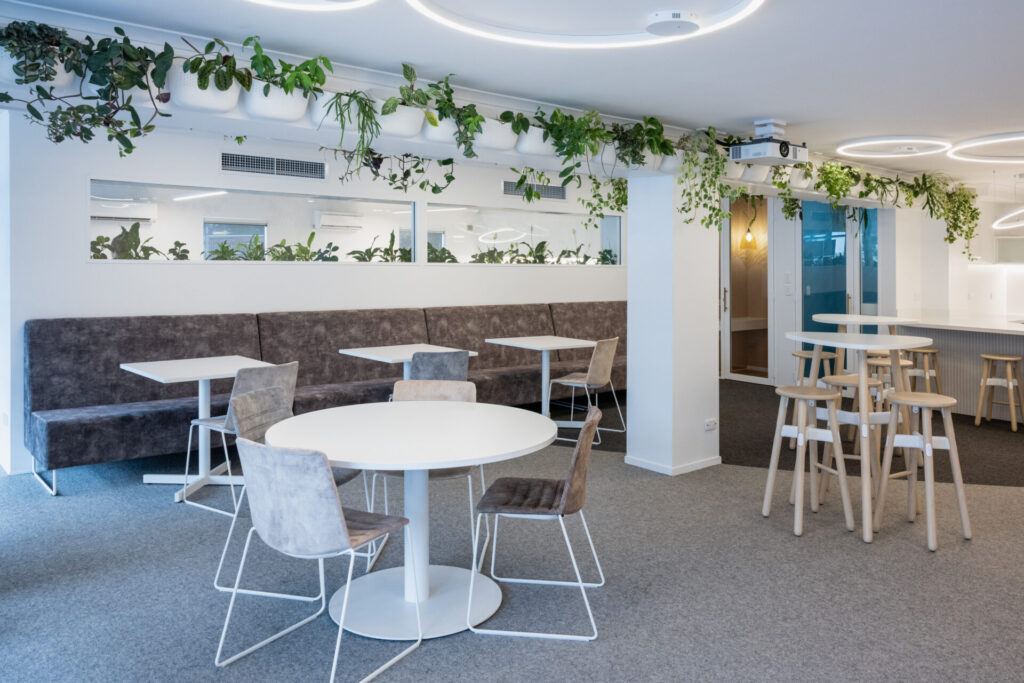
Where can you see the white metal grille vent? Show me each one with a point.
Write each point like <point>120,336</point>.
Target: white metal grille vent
<point>545,191</point>
<point>735,153</point>
<point>247,163</point>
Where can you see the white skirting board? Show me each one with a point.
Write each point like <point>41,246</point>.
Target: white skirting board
<point>960,364</point>
<point>676,469</point>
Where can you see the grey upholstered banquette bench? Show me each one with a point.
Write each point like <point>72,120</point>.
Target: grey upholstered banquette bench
<point>81,408</point>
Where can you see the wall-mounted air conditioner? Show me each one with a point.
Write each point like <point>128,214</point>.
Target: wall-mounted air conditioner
<point>102,210</point>
<point>325,220</point>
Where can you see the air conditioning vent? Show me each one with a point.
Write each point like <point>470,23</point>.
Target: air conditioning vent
<point>545,191</point>
<point>247,163</point>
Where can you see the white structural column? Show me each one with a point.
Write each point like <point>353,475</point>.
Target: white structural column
<point>673,333</point>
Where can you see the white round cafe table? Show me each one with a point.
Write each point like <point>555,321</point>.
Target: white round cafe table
<point>861,344</point>
<point>849,320</point>
<point>416,436</point>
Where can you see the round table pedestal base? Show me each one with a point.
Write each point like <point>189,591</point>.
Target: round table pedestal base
<point>377,607</point>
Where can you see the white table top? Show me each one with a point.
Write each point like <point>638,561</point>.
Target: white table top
<point>544,342</point>
<point>397,353</point>
<point>416,435</point>
<point>851,319</point>
<point>192,369</point>
<point>862,342</point>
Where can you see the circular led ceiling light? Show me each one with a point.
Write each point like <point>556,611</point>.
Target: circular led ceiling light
<point>1007,222</point>
<point>315,5</point>
<point>960,153</point>
<point>893,147</point>
<point>501,236</point>
<point>662,27</point>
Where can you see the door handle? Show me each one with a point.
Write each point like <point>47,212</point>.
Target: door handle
<point>848,298</point>
<point>725,300</point>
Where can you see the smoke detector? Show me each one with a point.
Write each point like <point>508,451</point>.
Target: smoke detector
<point>672,23</point>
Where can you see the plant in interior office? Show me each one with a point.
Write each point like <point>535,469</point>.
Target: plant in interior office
<point>468,121</point>
<point>573,255</point>
<point>961,216</point>
<point>115,68</point>
<point>607,257</point>
<point>411,96</point>
<point>576,140</point>
<point>401,171</point>
<point>520,123</point>
<point>490,255</point>
<point>126,246</point>
<point>606,196</point>
<point>524,252</point>
<point>253,250</point>
<point>365,255</point>
<point>529,180</point>
<point>836,180</point>
<point>440,254</point>
<point>309,76</point>
<point>355,108</point>
<point>632,143</point>
<point>393,254</point>
<point>216,64</point>
<point>303,251</point>
<point>222,252</point>
<point>780,178</point>
<point>702,178</point>
<point>179,252</point>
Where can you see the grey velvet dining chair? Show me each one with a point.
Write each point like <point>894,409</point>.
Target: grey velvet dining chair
<point>254,413</point>
<point>542,499</point>
<point>297,512</point>
<point>431,390</point>
<point>597,376</point>
<point>246,380</point>
<point>446,365</point>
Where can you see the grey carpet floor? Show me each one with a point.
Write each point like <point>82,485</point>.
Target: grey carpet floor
<point>112,582</point>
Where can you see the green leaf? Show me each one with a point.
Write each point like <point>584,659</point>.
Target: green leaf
<point>409,73</point>
<point>431,118</point>
<point>390,106</point>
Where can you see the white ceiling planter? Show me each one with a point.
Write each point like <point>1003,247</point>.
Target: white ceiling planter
<point>963,151</point>
<point>690,23</point>
<point>893,147</point>
<point>1014,219</point>
<point>315,5</point>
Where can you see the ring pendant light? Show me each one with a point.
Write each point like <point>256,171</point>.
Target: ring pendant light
<point>899,146</point>
<point>315,5</point>
<point>1007,222</point>
<point>960,150</point>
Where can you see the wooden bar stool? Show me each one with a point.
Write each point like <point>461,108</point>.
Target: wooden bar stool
<point>843,382</point>
<point>925,442</point>
<point>881,368</point>
<point>989,378</point>
<point>805,356</point>
<point>805,431</point>
<point>926,367</point>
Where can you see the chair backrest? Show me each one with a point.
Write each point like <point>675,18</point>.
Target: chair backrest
<point>434,390</point>
<point>257,411</point>
<point>601,361</point>
<point>449,365</point>
<point>251,379</point>
<point>293,499</point>
<point>576,483</point>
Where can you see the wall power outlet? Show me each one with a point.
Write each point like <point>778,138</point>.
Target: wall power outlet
<point>710,424</point>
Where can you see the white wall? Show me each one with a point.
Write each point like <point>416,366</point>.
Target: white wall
<point>6,331</point>
<point>52,276</point>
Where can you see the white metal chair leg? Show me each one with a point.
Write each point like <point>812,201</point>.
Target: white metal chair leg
<point>618,408</point>
<point>188,460</point>
<point>472,515</point>
<point>50,488</point>
<point>341,622</point>
<point>266,641</point>
<point>377,545</point>
<point>578,583</point>
<point>546,582</point>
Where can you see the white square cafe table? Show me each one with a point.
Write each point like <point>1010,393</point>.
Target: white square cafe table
<point>202,371</point>
<point>861,344</point>
<point>397,353</point>
<point>545,343</point>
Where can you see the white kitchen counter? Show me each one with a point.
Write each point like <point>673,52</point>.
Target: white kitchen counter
<point>968,323</point>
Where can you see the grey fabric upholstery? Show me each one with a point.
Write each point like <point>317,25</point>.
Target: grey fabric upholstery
<point>251,379</point>
<point>82,408</point>
<point>295,506</point>
<point>590,320</point>
<point>523,496</point>
<point>466,327</point>
<point>446,365</point>
<point>320,396</point>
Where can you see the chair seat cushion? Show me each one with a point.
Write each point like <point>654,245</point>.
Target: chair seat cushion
<point>218,423</point>
<point>321,396</point>
<point>443,473</point>
<point>343,475</point>
<point>364,526</point>
<point>521,496</point>
<point>576,378</point>
<point>67,437</point>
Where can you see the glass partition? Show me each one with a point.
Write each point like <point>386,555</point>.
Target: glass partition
<point>478,234</point>
<point>747,278</point>
<point>138,221</point>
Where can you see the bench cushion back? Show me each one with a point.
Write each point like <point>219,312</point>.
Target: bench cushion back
<point>314,337</point>
<point>466,327</point>
<point>592,320</point>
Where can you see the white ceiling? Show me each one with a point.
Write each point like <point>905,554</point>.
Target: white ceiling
<point>834,69</point>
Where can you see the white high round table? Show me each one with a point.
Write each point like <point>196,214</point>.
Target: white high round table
<point>415,436</point>
<point>861,344</point>
<point>854,322</point>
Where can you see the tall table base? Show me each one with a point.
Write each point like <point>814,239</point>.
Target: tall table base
<point>377,607</point>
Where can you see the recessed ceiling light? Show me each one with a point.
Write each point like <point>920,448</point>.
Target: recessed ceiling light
<point>198,195</point>
<point>958,152</point>
<point>700,26</point>
<point>892,147</point>
<point>1007,222</point>
<point>315,5</point>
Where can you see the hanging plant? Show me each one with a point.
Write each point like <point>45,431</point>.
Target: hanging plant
<point>576,140</point>
<point>961,216</point>
<point>836,180</point>
<point>606,196</point>
<point>309,76</point>
<point>529,180</point>
<point>411,96</point>
<point>115,68</point>
<point>356,108</point>
<point>701,177</point>
<point>399,171</point>
<point>632,143</point>
<point>215,64</point>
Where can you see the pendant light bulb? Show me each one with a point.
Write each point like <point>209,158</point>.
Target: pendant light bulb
<point>749,237</point>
